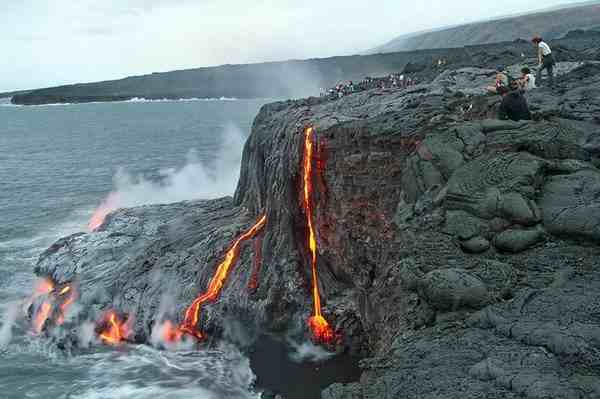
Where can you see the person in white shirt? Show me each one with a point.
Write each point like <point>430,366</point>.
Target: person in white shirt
<point>527,81</point>
<point>545,59</point>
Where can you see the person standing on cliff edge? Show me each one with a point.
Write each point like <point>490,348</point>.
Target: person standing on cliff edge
<point>545,59</point>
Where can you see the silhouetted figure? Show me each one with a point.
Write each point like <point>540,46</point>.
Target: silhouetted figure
<point>513,106</point>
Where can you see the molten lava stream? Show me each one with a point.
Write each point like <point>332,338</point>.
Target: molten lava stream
<point>189,325</point>
<point>109,204</point>
<point>321,330</point>
<point>42,314</point>
<point>44,311</point>
<point>116,330</point>
<point>64,307</point>
<point>43,287</point>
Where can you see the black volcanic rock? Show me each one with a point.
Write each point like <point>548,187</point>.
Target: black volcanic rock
<point>461,253</point>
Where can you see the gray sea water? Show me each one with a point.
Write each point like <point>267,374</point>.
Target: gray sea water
<point>57,163</point>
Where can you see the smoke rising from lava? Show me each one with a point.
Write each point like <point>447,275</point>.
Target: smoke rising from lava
<point>308,352</point>
<point>10,316</point>
<point>195,180</point>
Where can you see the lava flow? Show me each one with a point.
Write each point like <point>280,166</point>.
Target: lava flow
<point>170,333</point>
<point>43,312</point>
<point>67,302</point>
<point>115,330</point>
<point>189,325</point>
<point>66,297</point>
<point>321,330</point>
<point>108,205</point>
<point>43,287</point>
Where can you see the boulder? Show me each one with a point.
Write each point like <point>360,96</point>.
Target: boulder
<point>571,205</point>
<point>475,245</point>
<point>451,289</point>
<point>341,391</point>
<point>514,240</point>
<point>478,186</point>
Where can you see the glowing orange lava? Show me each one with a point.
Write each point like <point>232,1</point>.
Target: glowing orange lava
<point>64,307</point>
<point>43,287</point>
<point>170,332</point>
<point>110,203</point>
<point>43,313</point>
<point>189,325</point>
<point>41,316</point>
<point>116,331</point>
<point>321,330</point>
<point>253,283</point>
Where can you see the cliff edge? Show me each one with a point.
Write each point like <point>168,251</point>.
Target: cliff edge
<point>457,252</point>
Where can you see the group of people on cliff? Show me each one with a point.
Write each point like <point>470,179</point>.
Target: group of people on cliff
<point>513,91</point>
<point>394,80</point>
<point>514,104</point>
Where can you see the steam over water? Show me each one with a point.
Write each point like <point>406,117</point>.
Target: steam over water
<point>57,164</point>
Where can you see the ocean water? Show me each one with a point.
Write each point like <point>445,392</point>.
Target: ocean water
<point>57,163</point>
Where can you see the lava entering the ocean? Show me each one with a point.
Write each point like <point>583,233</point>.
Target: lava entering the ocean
<point>321,330</point>
<point>43,288</point>
<point>108,205</point>
<point>66,297</point>
<point>115,329</point>
<point>70,295</point>
<point>42,314</point>
<point>189,325</point>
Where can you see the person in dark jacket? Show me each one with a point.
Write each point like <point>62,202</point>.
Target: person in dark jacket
<point>513,106</point>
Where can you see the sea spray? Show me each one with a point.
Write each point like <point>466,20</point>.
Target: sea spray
<point>8,320</point>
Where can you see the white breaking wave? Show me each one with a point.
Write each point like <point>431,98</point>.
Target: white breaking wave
<point>208,374</point>
<point>134,392</point>
<point>166,100</point>
<point>132,100</point>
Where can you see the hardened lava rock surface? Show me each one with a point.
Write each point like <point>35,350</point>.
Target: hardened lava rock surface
<point>459,253</point>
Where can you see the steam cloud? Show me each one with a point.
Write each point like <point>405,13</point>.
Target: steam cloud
<point>12,312</point>
<point>193,181</point>
<point>308,352</point>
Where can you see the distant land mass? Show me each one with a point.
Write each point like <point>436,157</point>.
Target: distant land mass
<point>550,24</point>
<point>301,78</point>
<point>287,79</point>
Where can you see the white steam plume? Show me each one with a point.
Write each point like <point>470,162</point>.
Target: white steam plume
<point>308,352</point>
<point>86,334</point>
<point>10,316</point>
<point>193,181</point>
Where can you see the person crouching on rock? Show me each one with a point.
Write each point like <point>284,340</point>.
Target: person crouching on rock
<point>513,106</point>
<point>527,80</point>
<point>545,59</point>
<point>501,80</point>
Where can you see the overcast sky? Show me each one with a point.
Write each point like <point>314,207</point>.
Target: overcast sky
<point>51,42</point>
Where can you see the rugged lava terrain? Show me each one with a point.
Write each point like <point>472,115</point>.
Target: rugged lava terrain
<point>457,252</point>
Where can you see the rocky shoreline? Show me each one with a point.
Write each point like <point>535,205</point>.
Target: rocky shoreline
<point>458,253</point>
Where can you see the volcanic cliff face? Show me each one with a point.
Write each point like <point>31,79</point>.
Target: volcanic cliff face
<point>460,252</point>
